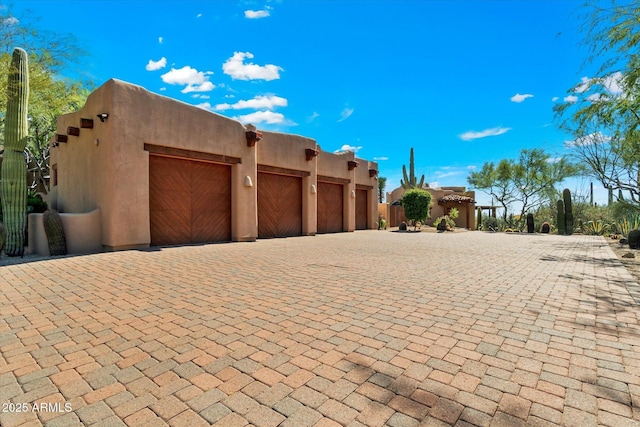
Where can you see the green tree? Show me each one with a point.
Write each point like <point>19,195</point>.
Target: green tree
<point>496,180</point>
<point>51,94</point>
<point>382,183</point>
<point>416,205</point>
<point>602,112</point>
<point>536,175</point>
<point>529,181</point>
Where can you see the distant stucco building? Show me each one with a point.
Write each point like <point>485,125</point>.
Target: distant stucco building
<point>442,201</point>
<point>164,172</point>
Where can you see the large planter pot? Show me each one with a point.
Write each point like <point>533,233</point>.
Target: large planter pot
<point>83,233</point>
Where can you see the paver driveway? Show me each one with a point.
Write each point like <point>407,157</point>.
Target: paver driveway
<point>367,328</point>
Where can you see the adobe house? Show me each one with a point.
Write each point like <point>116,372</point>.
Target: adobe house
<point>164,172</point>
<point>442,201</point>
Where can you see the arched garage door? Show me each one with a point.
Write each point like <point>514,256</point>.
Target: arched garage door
<point>189,201</point>
<point>279,205</point>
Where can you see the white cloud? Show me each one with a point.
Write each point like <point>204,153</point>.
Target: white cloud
<point>572,99</point>
<point>204,87</point>
<point>585,84</point>
<point>345,114</point>
<point>199,15</point>
<point>592,138</point>
<point>160,40</point>
<point>380,159</point>
<point>554,99</point>
<point>441,175</point>
<point>554,159</point>
<point>10,21</point>
<point>613,83</point>
<point>268,102</point>
<point>312,117</point>
<point>595,97</point>
<point>204,106</point>
<point>256,14</point>
<point>194,80</point>
<point>156,65</point>
<point>237,69</point>
<point>471,135</point>
<point>347,147</point>
<point>268,117</point>
<point>519,98</point>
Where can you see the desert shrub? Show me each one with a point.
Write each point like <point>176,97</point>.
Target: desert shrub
<point>35,204</point>
<point>416,205</point>
<point>628,223</point>
<point>490,224</point>
<point>596,228</point>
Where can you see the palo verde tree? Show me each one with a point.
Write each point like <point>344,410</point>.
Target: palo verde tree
<point>530,180</point>
<point>602,112</point>
<point>50,93</point>
<point>496,180</point>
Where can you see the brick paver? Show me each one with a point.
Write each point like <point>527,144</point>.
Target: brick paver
<point>361,329</point>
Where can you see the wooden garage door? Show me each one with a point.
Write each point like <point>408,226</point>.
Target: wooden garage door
<point>361,209</point>
<point>189,201</point>
<point>330,207</point>
<point>279,205</point>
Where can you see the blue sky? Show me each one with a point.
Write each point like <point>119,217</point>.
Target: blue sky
<point>461,81</point>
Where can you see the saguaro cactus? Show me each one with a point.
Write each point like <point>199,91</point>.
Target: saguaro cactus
<point>561,218</point>
<point>410,181</point>
<point>55,232</point>
<point>479,219</point>
<point>568,212</point>
<point>14,166</point>
<point>530,223</point>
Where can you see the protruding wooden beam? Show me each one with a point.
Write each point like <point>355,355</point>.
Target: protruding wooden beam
<point>310,153</point>
<point>86,123</point>
<point>253,137</point>
<point>73,131</point>
<point>61,138</point>
<point>372,173</point>
<point>352,165</point>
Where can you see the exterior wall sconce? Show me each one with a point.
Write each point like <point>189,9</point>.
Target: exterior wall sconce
<point>103,116</point>
<point>253,137</point>
<point>86,123</point>
<point>313,189</point>
<point>73,131</point>
<point>353,165</point>
<point>372,173</point>
<point>353,194</point>
<point>310,153</point>
<point>247,181</point>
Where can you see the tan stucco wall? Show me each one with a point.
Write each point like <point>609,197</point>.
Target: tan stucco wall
<point>114,174</point>
<point>107,167</point>
<point>466,212</point>
<point>363,178</point>
<point>336,165</point>
<point>288,152</point>
<point>81,231</point>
